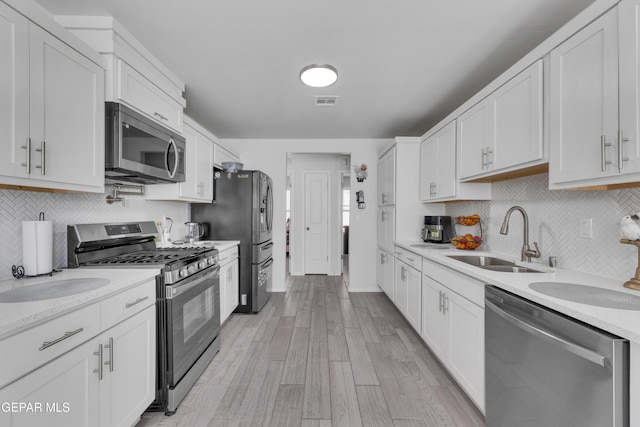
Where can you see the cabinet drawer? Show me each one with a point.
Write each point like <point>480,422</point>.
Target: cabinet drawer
<point>140,93</point>
<point>34,347</point>
<point>123,305</point>
<point>463,285</point>
<point>228,255</point>
<point>409,257</point>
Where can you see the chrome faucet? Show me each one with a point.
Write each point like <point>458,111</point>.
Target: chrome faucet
<point>527,252</point>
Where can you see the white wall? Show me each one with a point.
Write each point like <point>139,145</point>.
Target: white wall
<point>270,156</point>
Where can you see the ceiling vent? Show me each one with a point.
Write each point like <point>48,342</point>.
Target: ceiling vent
<point>326,101</point>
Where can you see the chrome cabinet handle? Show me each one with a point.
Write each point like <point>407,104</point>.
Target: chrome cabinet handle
<point>384,197</point>
<point>42,151</point>
<point>440,295</point>
<point>445,298</point>
<point>410,259</point>
<point>603,152</point>
<point>99,354</point>
<point>138,301</point>
<point>382,258</point>
<point>403,273</point>
<point>160,116</point>
<point>547,336</point>
<point>47,344</point>
<point>483,159</point>
<point>110,361</point>
<point>27,147</point>
<point>489,157</point>
<point>621,157</point>
<point>432,189</point>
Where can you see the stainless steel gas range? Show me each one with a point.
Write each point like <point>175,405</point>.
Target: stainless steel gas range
<point>188,297</point>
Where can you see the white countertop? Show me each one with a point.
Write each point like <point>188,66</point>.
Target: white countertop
<point>625,323</point>
<point>15,317</point>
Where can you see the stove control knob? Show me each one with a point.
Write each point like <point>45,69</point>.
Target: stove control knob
<point>192,269</point>
<point>210,260</point>
<point>202,265</point>
<point>183,272</point>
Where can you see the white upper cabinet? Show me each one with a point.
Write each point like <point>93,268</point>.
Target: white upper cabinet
<point>387,178</point>
<point>584,105</point>
<point>134,75</point>
<point>438,179</point>
<point>198,184</point>
<point>221,155</point>
<point>595,107</point>
<point>45,149</point>
<point>504,132</point>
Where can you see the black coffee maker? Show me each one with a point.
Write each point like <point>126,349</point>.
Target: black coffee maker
<point>437,229</point>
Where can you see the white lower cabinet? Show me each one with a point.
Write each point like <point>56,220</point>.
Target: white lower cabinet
<point>107,380</point>
<point>229,282</point>
<point>453,327</point>
<point>385,266</point>
<point>408,291</point>
<point>386,228</point>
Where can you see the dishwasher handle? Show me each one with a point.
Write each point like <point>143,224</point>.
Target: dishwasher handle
<point>547,336</point>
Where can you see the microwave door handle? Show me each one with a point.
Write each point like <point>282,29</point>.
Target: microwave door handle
<point>166,158</point>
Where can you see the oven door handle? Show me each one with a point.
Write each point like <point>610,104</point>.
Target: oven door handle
<point>547,336</point>
<point>174,291</point>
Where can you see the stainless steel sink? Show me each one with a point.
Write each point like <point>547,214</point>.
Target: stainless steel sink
<point>493,263</point>
<point>52,289</point>
<point>509,268</point>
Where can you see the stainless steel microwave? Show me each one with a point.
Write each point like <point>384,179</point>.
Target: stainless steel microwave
<point>139,150</point>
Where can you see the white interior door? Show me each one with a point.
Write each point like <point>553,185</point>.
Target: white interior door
<point>316,206</point>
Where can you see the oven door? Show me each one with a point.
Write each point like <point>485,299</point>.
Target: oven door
<point>193,320</point>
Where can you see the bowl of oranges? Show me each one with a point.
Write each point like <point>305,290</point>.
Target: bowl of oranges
<point>468,232</point>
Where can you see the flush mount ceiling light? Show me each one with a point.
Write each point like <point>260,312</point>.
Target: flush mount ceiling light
<point>319,75</point>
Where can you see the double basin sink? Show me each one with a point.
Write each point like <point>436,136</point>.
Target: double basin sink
<point>493,264</point>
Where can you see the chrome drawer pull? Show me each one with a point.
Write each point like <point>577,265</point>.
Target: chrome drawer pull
<point>110,362</point>
<point>42,150</point>
<point>47,344</point>
<point>138,301</point>
<point>160,116</point>
<point>603,153</point>
<point>27,147</point>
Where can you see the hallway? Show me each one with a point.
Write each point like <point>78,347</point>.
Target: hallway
<point>319,356</point>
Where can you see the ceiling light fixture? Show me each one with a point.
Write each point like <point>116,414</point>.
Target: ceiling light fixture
<point>319,75</point>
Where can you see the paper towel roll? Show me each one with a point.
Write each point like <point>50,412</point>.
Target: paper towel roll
<point>37,247</point>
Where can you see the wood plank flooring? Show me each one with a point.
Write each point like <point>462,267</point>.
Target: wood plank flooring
<point>319,356</point>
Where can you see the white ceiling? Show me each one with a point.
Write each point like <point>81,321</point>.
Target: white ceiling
<point>403,64</point>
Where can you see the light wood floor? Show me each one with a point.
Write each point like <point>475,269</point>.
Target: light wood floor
<point>319,356</point>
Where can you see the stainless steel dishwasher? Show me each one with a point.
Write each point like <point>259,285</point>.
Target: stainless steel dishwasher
<point>544,369</point>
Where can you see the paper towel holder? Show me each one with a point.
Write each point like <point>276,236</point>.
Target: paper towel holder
<point>124,189</point>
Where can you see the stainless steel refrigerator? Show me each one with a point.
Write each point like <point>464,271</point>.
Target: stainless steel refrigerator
<point>243,210</point>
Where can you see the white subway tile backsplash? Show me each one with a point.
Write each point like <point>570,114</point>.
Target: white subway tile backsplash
<point>72,208</point>
<point>554,222</point>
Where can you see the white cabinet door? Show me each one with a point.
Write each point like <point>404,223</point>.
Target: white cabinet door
<point>438,165</point>
<point>475,139</point>
<point>233,286</point>
<point>401,283</point>
<point>142,94</point>
<point>518,120</point>
<point>386,228</point>
<point>435,324</point>
<point>229,289</point>
<point>629,136</point>
<point>14,86</point>
<point>198,183</point>
<point>387,178</point>
<point>66,392</point>
<point>129,369</point>
<point>66,114</point>
<point>466,344</point>
<point>414,298</point>
<point>584,103</point>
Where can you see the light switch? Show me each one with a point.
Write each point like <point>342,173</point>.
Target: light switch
<point>586,228</point>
